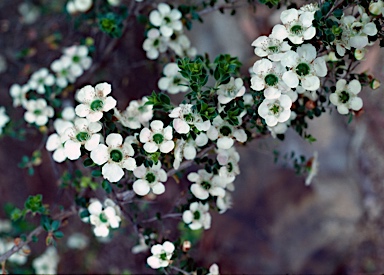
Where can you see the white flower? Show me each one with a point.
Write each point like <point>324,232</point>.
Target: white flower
<point>187,149</point>
<point>19,94</point>
<point>224,133</point>
<point>268,76</point>
<point>116,156</point>
<point>273,46</point>
<point>297,26</point>
<point>104,217</point>
<point>68,113</point>
<point>77,241</point>
<point>83,133</point>
<point>61,67</point>
<point>275,110</point>
<point>224,203</point>
<point>161,255</point>
<point>185,116</point>
<point>229,161</point>
<point>155,44</point>
<point>38,112</point>
<point>39,79</point>
<point>47,262</point>
<point>181,45</point>
<point>197,216</point>
<point>345,97</point>
<point>376,8</point>
<point>29,12</point>
<point>157,138</point>
<point>227,92</point>
<point>312,167</point>
<point>80,60</point>
<point>56,141</point>
<point>214,270</point>
<point>74,6</point>
<point>4,119</point>
<point>279,129</point>
<point>305,68</point>
<point>172,82</point>
<point>136,114</point>
<point>149,179</point>
<point>94,101</point>
<point>248,100</point>
<point>206,184</point>
<point>311,7</point>
<point>356,32</point>
<point>114,2</point>
<point>166,19</point>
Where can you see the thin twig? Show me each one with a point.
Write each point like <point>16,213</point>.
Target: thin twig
<point>37,231</point>
<point>166,216</point>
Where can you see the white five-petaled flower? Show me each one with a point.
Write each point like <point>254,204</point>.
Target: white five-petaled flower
<point>185,116</point>
<point>84,133</point>
<point>103,217</point>
<point>155,44</point>
<point>275,110</point>
<point>225,133</point>
<point>56,141</point>
<point>19,94</point>
<point>161,255</point>
<point>345,97</point>
<point>181,45</point>
<point>172,82</point>
<point>47,262</point>
<point>157,138</point>
<point>272,46</point>
<point>376,8</point>
<point>268,76</point>
<point>149,179</point>
<point>64,75</point>
<point>40,79</point>
<point>38,112</point>
<point>187,149</point>
<point>227,92</point>
<point>197,216</point>
<point>357,31</point>
<point>305,68</point>
<point>206,184</point>
<point>297,26</point>
<point>166,19</point>
<point>229,161</point>
<point>94,101</point>
<point>136,114</point>
<point>114,157</point>
<point>80,60</point>
<point>4,119</point>
<point>75,6</point>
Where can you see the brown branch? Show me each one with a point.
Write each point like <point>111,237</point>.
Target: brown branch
<point>37,231</point>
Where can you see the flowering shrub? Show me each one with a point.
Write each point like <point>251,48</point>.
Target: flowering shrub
<point>112,160</point>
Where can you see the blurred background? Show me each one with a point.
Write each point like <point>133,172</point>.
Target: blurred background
<point>277,224</point>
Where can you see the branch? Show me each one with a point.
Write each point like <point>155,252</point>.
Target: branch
<point>37,231</point>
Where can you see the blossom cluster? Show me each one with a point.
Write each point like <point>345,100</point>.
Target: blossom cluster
<point>167,32</point>
<point>43,86</point>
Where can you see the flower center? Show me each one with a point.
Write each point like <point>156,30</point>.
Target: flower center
<point>225,131</point>
<point>76,59</point>
<point>303,69</point>
<point>344,97</point>
<point>273,49</point>
<point>82,136</point>
<point>158,138</point>
<point>163,256</point>
<point>230,167</point>
<point>357,27</point>
<point>103,217</point>
<point>296,29</point>
<point>167,20</point>
<point>206,185</point>
<point>271,79</point>
<point>275,109</point>
<point>188,118</point>
<point>196,215</point>
<point>150,177</point>
<point>116,155</point>
<point>97,105</point>
<point>37,112</point>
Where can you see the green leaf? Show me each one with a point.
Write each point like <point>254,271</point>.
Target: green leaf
<point>88,162</point>
<point>106,186</point>
<point>96,173</point>
<point>55,225</point>
<point>58,234</point>
<point>338,13</point>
